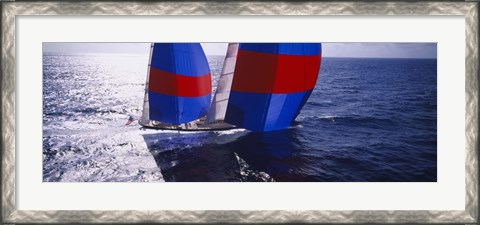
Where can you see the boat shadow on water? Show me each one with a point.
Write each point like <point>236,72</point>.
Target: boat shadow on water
<point>218,157</point>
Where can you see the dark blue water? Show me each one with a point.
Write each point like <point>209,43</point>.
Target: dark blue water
<point>366,120</point>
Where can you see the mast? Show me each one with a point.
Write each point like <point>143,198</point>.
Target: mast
<point>145,120</point>
<point>218,107</point>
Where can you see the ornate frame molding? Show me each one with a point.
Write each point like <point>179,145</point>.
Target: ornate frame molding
<point>12,9</point>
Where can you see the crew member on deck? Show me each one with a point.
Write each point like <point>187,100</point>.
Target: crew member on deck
<point>131,118</point>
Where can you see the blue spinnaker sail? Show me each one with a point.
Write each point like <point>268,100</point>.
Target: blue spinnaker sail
<point>179,83</point>
<point>272,82</point>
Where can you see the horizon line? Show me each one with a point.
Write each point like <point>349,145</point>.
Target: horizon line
<point>134,53</point>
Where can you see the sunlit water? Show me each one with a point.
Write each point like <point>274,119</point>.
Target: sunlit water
<point>366,120</point>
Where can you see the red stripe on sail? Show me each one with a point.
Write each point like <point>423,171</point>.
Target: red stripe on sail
<point>166,83</point>
<point>259,72</point>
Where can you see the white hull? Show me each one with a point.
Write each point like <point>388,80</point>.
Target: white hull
<point>197,125</point>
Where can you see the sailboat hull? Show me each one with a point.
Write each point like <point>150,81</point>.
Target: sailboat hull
<point>192,126</point>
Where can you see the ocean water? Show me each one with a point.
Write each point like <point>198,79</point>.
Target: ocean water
<point>367,120</point>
